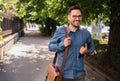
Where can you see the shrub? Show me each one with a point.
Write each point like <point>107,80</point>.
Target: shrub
<point>45,31</point>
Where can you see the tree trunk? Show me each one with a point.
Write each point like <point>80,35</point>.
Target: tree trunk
<point>114,34</point>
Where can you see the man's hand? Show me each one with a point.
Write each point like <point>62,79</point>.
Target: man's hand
<point>84,49</point>
<point>67,41</point>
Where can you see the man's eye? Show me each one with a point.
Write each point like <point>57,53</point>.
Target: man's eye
<point>75,16</point>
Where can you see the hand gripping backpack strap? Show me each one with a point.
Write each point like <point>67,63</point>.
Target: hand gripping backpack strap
<point>65,54</point>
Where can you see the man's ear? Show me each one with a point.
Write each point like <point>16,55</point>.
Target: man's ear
<point>68,17</point>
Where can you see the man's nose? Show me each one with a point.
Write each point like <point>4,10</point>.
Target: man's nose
<point>77,18</point>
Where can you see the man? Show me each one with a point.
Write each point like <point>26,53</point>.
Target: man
<point>79,43</point>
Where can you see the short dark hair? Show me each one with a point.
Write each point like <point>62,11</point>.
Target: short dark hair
<point>73,8</point>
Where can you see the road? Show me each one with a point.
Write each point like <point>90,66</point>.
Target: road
<point>27,60</point>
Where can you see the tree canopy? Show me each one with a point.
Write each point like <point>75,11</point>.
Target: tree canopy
<point>39,10</point>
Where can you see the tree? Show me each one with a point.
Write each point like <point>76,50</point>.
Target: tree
<point>113,52</point>
<point>39,11</point>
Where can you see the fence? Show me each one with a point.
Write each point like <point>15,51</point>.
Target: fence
<point>11,26</point>
<point>12,29</point>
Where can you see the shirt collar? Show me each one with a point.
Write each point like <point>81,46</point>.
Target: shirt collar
<point>70,30</point>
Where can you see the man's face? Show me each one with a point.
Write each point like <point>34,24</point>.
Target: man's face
<point>75,18</point>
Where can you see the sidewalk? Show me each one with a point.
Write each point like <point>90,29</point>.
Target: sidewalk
<point>28,59</point>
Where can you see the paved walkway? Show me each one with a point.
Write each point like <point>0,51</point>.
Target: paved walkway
<point>28,59</point>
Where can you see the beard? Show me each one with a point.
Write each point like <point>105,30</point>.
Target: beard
<point>76,23</point>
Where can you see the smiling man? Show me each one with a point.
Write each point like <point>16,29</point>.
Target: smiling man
<point>79,43</point>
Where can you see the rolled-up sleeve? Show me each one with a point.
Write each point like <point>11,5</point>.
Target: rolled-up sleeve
<point>91,47</point>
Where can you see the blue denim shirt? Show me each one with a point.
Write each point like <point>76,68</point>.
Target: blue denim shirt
<point>74,66</point>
